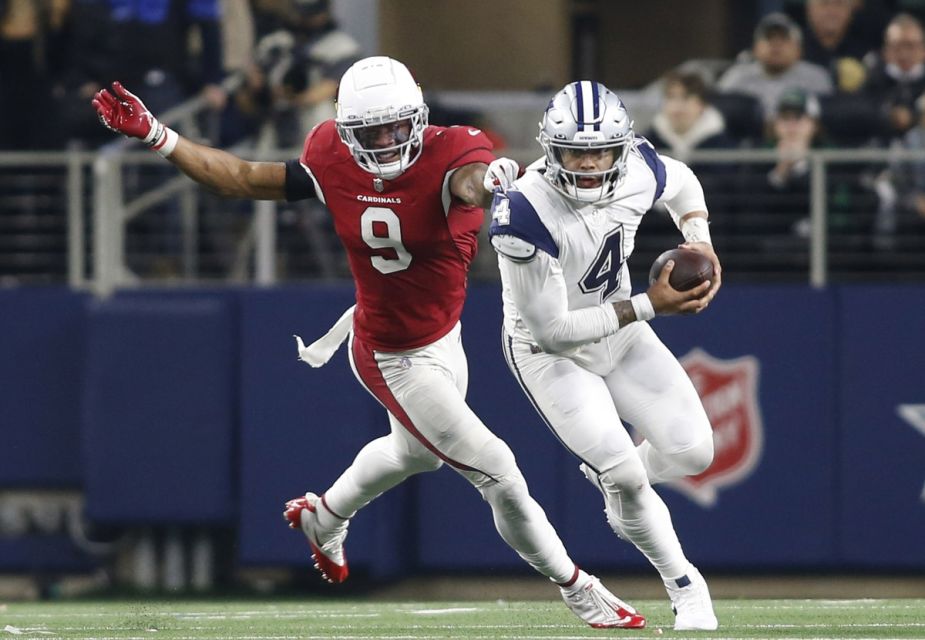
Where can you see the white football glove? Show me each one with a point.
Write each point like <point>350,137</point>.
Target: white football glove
<point>501,174</point>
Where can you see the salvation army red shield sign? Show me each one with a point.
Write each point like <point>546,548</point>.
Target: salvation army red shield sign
<point>729,392</point>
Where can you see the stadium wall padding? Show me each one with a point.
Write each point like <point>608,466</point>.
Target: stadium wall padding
<point>196,401</point>
<point>158,427</point>
<point>42,335</point>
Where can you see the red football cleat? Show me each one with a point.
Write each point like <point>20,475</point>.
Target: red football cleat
<point>327,545</point>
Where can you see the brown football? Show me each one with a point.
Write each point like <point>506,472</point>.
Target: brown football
<point>690,268</point>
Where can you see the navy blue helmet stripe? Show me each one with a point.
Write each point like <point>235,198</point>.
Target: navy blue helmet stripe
<point>595,98</point>
<point>580,106</point>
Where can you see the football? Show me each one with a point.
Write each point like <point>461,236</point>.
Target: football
<point>690,268</point>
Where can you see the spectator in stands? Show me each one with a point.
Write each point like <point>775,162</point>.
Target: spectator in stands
<point>778,218</point>
<point>834,40</point>
<point>777,66</point>
<point>301,54</point>
<point>686,120</point>
<point>901,191</point>
<point>784,196</point>
<point>897,79</point>
<point>915,139</point>
<point>146,45</point>
<point>149,45</point>
<point>30,32</point>
<point>794,131</point>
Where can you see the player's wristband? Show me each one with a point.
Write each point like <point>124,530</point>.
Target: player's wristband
<point>642,307</point>
<point>164,140</point>
<point>696,229</point>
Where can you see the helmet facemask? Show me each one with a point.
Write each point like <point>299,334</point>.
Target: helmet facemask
<point>389,162</point>
<point>569,182</point>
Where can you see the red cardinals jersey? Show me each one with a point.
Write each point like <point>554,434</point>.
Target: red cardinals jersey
<point>409,244</point>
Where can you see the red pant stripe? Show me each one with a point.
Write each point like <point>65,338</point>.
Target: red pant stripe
<point>365,361</point>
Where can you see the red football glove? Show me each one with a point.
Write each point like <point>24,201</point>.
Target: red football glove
<point>124,113</point>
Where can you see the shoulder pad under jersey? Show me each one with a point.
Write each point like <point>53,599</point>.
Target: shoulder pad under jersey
<point>516,230</point>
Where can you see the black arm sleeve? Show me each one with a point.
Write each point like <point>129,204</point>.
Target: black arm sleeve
<point>298,185</point>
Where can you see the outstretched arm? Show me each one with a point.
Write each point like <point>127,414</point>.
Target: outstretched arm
<point>219,171</point>
<point>229,175</point>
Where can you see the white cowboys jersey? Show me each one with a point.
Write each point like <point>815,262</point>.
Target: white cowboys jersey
<point>589,242</point>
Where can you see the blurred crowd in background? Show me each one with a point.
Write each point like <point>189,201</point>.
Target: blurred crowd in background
<point>60,52</point>
<point>819,74</point>
<point>864,59</point>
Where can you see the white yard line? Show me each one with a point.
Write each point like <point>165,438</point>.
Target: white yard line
<point>439,612</point>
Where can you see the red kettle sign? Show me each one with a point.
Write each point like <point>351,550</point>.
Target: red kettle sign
<point>729,392</point>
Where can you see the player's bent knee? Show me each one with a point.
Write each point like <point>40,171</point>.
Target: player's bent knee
<point>626,477</point>
<point>499,479</point>
<point>414,456</point>
<point>696,459</point>
<point>496,462</point>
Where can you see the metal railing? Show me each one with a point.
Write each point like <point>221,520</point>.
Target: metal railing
<point>821,163</point>
<point>99,251</point>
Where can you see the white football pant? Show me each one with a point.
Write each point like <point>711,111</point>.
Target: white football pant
<point>431,424</point>
<point>631,376</point>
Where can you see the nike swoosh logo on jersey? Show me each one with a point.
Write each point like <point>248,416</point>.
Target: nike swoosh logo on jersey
<point>474,132</point>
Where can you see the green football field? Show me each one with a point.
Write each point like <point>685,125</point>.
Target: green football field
<point>259,619</point>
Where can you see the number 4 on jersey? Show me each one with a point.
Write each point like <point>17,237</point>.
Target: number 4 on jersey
<point>607,269</point>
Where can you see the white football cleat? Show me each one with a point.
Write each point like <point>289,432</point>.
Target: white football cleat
<point>690,600</point>
<point>327,544</point>
<point>592,602</point>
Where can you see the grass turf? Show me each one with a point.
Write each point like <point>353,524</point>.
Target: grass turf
<point>339,619</point>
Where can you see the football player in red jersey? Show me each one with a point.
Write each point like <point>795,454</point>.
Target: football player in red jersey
<point>407,201</point>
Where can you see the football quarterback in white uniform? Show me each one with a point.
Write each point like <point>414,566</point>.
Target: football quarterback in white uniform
<point>579,344</point>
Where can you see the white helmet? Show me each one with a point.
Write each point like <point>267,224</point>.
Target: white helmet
<point>585,115</point>
<point>378,91</point>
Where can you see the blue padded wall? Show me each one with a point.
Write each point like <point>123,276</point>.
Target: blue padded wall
<point>42,343</point>
<point>301,427</point>
<point>881,445</point>
<point>190,407</point>
<point>159,411</point>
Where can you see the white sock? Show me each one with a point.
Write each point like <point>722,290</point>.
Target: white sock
<point>644,520</point>
<point>328,519</point>
<point>378,467</point>
<point>522,523</point>
<point>580,581</point>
